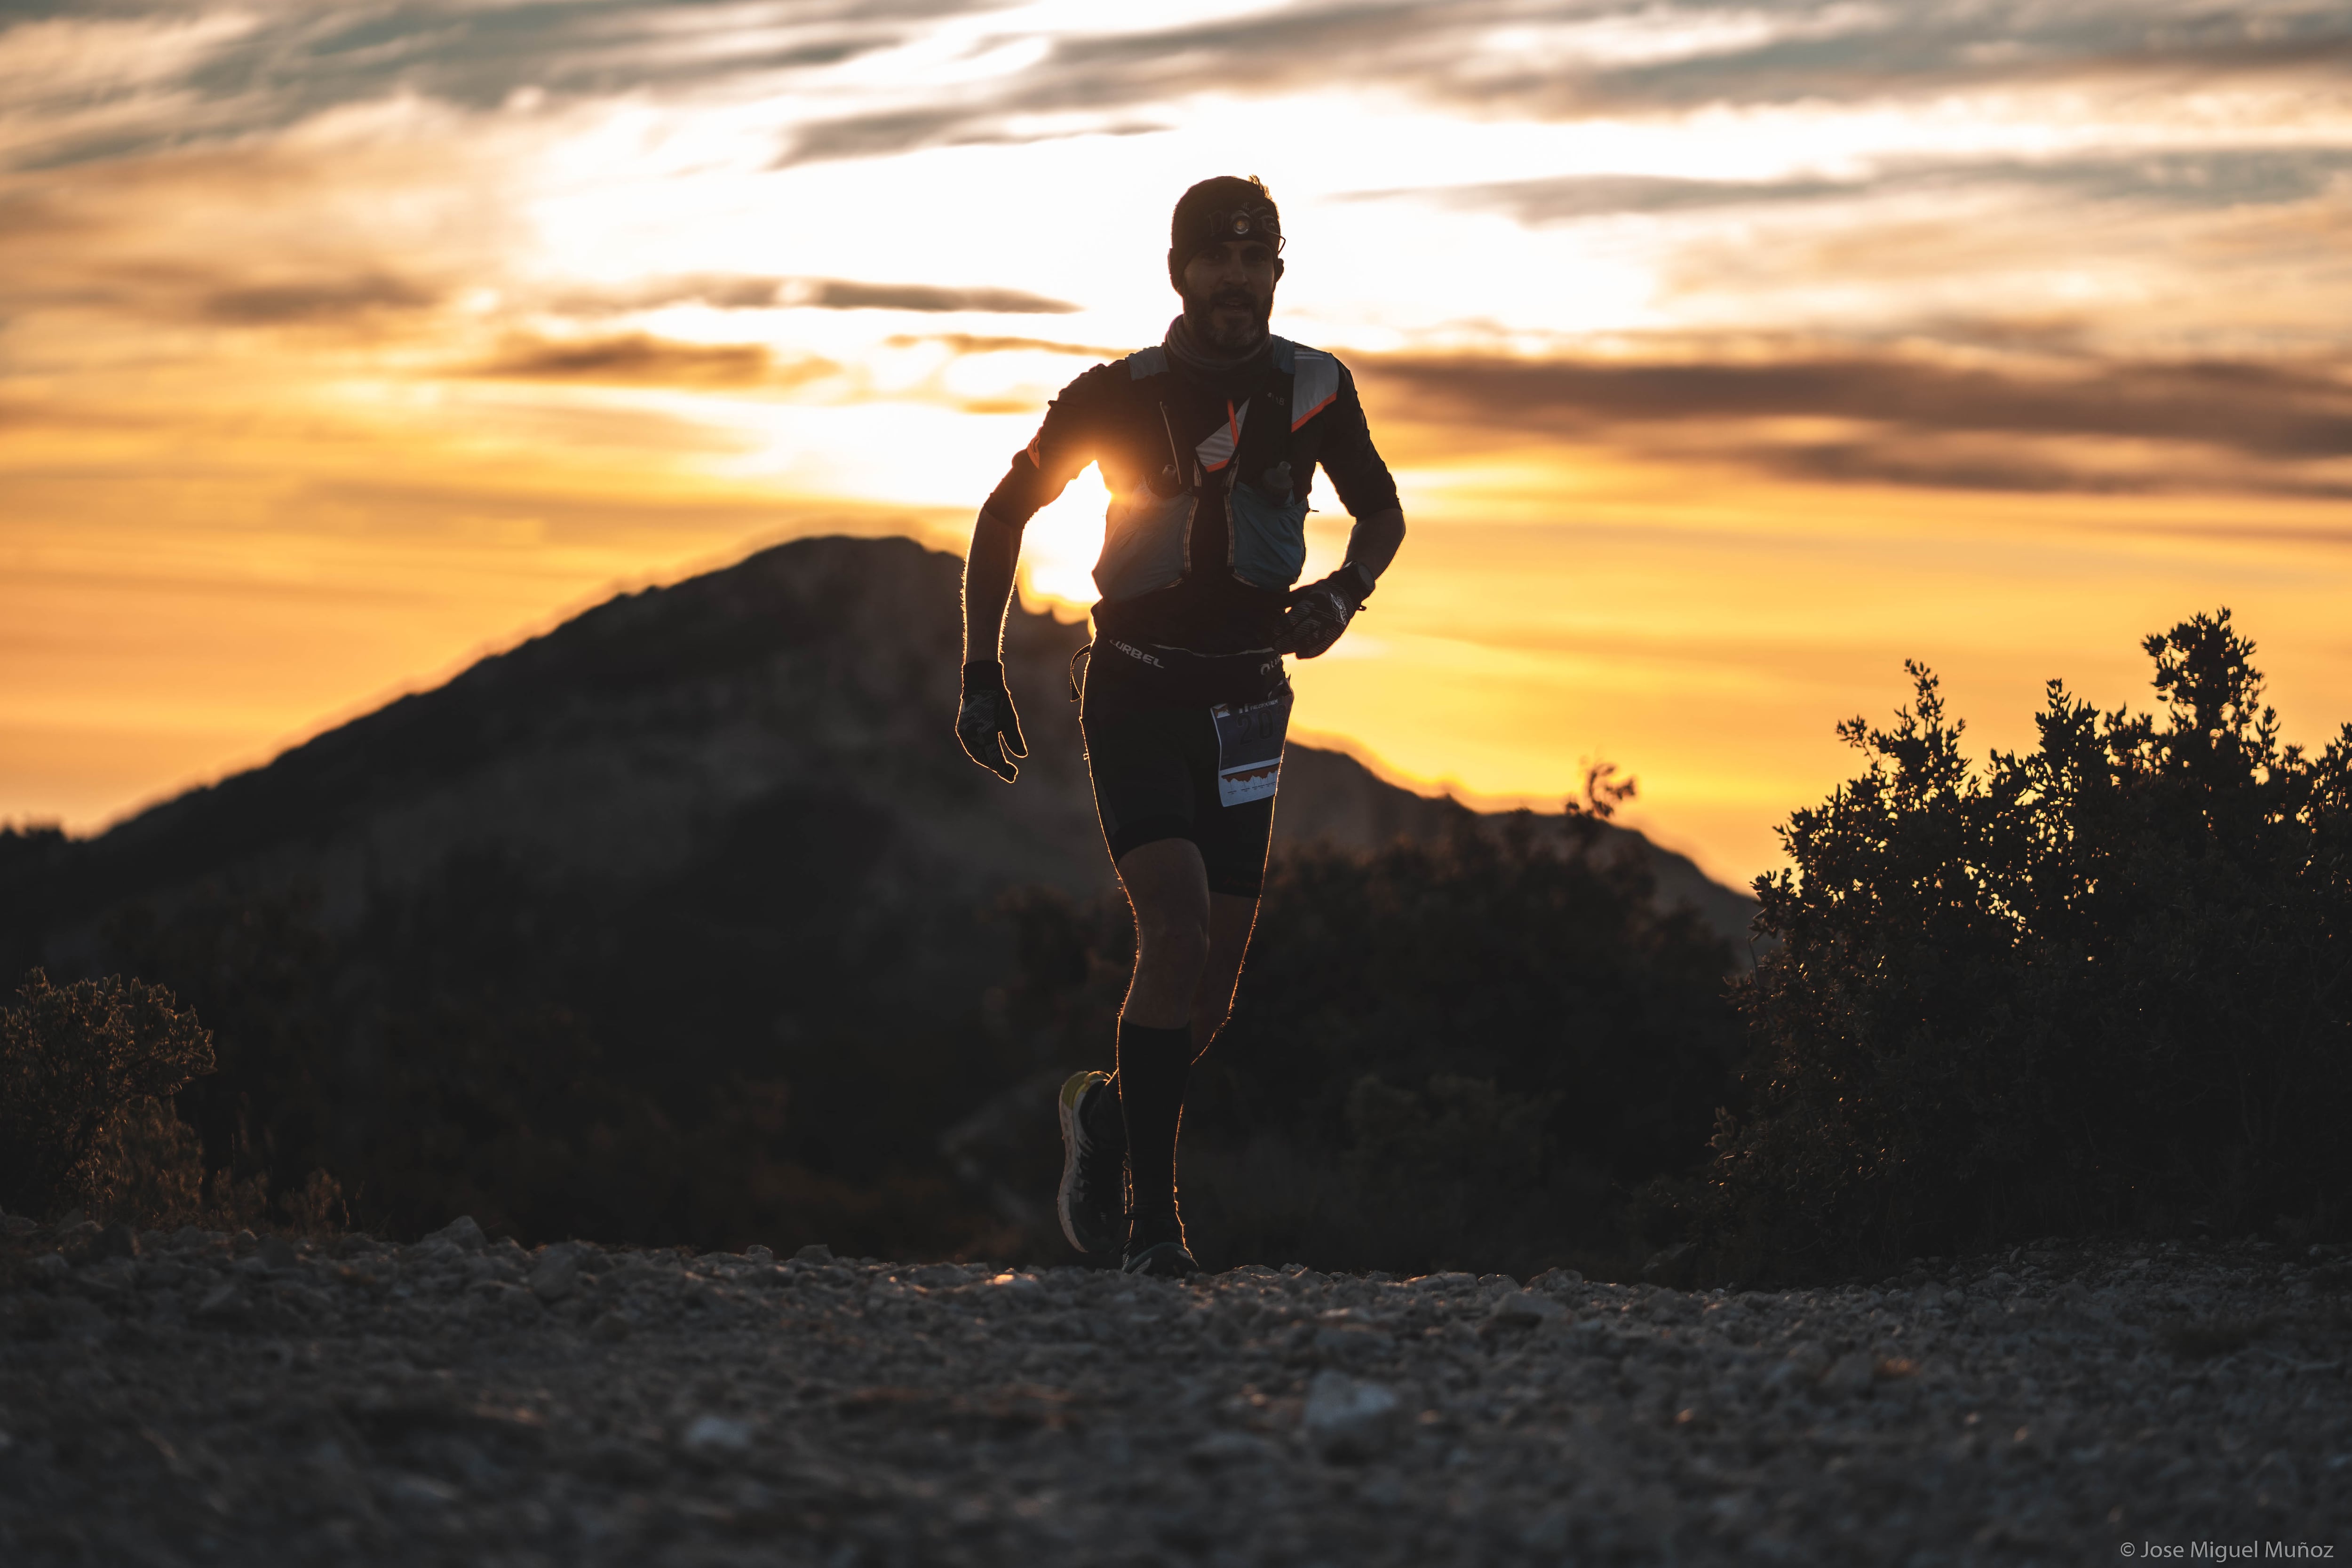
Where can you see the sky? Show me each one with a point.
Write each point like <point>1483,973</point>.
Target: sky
<point>1727,355</point>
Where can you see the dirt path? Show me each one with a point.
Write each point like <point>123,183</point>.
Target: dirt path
<point>218,1400</point>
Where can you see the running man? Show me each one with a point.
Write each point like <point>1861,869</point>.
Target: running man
<point>1208,442</point>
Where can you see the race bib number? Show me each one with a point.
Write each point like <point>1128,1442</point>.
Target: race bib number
<point>1249,749</point>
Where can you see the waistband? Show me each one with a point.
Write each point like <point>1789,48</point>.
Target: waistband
<point>1182,678</point>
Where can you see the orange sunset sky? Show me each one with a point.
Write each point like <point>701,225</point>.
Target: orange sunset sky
<point>1726,354</point>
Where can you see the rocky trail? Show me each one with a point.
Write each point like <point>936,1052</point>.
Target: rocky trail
<point>203,1398</point>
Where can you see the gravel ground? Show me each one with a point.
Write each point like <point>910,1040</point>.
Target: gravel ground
<point>201,1398</point>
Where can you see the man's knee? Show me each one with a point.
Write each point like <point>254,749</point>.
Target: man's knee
<point>1174,942</point>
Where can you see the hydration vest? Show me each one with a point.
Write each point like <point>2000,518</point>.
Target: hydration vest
<point>1267,445</point>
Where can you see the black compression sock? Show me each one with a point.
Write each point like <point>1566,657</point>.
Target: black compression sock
<point>1153,1066</point>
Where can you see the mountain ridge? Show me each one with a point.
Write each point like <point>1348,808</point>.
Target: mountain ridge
<point>612,745</point>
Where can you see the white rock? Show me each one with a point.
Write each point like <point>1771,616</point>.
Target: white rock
<point>461,1232</point>
<point>716,1434</point>
<point>1524,1308</point>
<point>1349,1420</point>
<point>557,1274</point>
<point>939,1276</point>
<point>413,1491</point>
<point>221,1303</point>
<point>1443,1284</point>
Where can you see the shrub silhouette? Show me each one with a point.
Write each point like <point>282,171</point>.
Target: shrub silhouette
<point>2102,982</point>
<point>1451,1054</point>
<point>1463,1129</point>
<point>83,1071</point>
<point>148,1169</point>
<point>1537,963</point>
<point>466,1050</point>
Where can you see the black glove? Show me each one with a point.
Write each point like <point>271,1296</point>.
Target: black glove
<point>1321,610</point>
<point>986,723</point>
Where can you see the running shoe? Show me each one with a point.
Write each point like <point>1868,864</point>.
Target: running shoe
<point>1166,1260</point>
<point>1092,1201</point>
<point>1155,1247</point>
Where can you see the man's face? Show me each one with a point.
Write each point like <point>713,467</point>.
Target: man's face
<point>1229,291</point>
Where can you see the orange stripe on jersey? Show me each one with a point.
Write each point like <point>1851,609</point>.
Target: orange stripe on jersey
<point>1217,449</point>
<point>1314,384</point>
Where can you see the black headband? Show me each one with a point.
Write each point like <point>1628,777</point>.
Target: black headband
<point>1204,230</point>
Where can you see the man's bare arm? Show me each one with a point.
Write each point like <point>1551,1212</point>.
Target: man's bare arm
<point>985,723</point>
<point>988,587</point>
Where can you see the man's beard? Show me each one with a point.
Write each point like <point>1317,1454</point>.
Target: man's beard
<point>1201,312</point>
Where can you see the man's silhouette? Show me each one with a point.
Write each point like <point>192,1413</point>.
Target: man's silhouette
<point>1208,442</point>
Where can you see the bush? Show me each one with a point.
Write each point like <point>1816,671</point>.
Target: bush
<point>1453,1054</point>
<point>465,1051</point>
<point>83,1071</point>
<point>1539,965</point>
<point>2101,984</point>
<point>149,1171</point>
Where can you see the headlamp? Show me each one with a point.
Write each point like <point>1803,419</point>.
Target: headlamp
<point>1261,224</point>
<point>1216,213</point>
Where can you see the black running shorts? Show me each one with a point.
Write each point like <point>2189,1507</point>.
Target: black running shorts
<point>1155,776</point>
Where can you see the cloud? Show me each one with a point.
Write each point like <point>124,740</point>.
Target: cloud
<point>167,78</point>
<point>143,77</point>
<point>2247,407</point>
<point>984,343</point>
<point>1113,74</point>
<point>1602,196</point>
<point>1630,57</point>
<point>880,135</point>
<point>843,294</point>
<point>639,360</point>
<point>2041,464</point>
<point>271,65</point>
<point>743,292</point>
<point>37,275</point>
<point>720,290</point>
<point>2098,424</point>
<point>335,300</point>
<point>1833,52</point>
<point>2232,177</point>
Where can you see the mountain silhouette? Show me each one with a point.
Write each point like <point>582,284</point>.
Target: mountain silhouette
<point>791,713</point>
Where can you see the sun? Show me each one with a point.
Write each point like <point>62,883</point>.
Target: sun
<point>1059,547</point>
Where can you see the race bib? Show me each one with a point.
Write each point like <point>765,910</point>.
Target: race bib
<point>1249,748</point>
